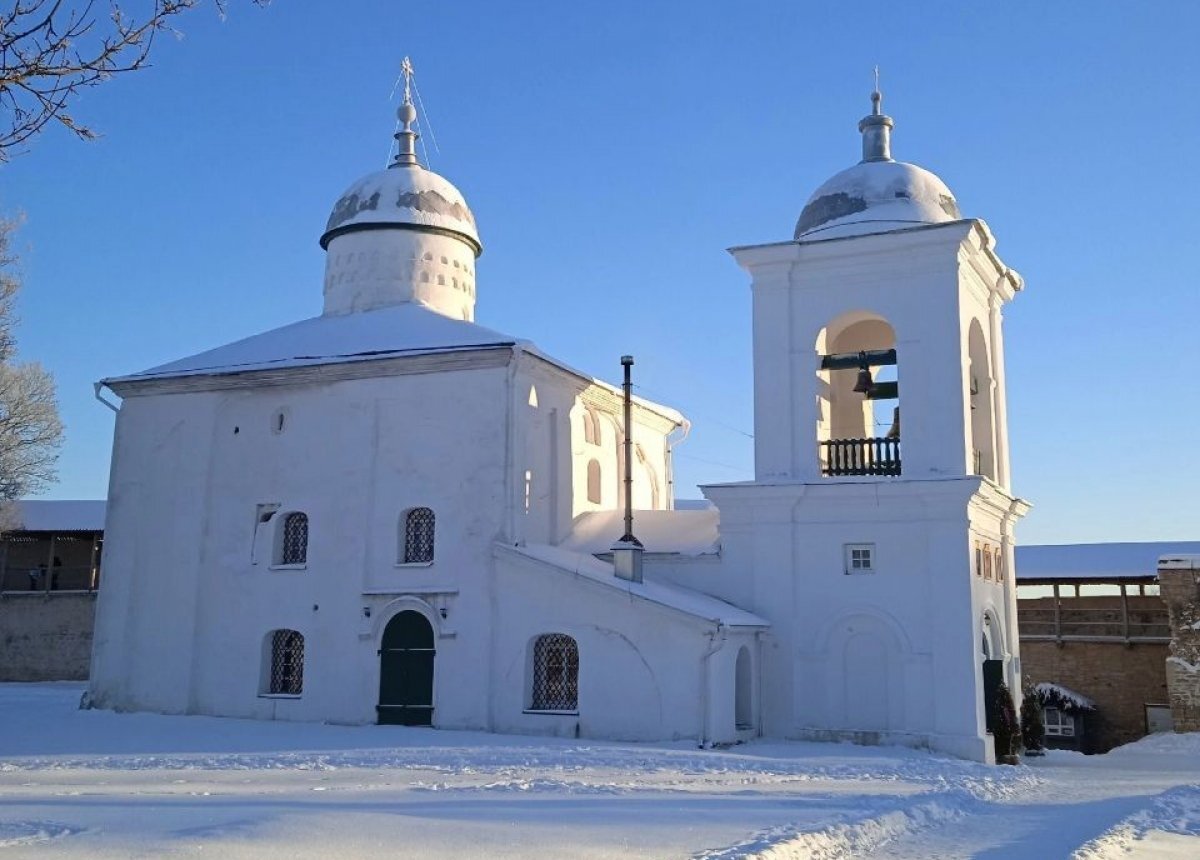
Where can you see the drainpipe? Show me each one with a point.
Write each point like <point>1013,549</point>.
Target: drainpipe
<point>683,429</point>
<point>97,387</point>
<point>716,642</point>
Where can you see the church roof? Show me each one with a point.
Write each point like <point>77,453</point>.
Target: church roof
<point>682,599</point>
<point>404,329</point>
<point>407,329</point>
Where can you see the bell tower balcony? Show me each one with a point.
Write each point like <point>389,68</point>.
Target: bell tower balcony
<point>879,456</point>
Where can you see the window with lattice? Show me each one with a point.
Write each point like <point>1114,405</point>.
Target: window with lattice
<point>286,675</point>
<point>555,673</point>
<point>418,536</point>
<point>293,543</point>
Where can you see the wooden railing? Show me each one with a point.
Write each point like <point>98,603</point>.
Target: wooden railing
<point>878,456</point>
<point>1120,622</point>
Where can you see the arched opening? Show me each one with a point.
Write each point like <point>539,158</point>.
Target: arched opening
<point>991,668</point>
<point>743,705</point>
<point>858,409</point>
<point>406,671</point>
<point>979,391</point>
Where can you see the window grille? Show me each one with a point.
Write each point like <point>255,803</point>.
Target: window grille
<point>287,663</point>
<point>295,539</point>
<point>555,673</point>
<point>418,536</point>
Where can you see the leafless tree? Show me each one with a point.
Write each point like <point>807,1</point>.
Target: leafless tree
<point>52,49</point>
<point>30,430</point>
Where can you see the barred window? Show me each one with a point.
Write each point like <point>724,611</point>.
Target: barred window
<point>286,677</point>
<point>418,536</point>
<point>555,673</point>
<point>294,546</point>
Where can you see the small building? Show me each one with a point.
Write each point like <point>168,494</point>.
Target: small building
<point>49,573</point>
<point>1091,621</point>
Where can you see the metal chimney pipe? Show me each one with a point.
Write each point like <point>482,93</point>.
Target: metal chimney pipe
<point>627,363</point>
<point>627,552</point>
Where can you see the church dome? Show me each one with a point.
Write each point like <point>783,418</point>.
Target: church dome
<point>407,196</point>
<point>878,194</point>
<point>873,197</point>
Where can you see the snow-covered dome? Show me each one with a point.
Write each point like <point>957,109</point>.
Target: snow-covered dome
<point>406,196</point>
<point>877,194</point>
<point>401,235</point>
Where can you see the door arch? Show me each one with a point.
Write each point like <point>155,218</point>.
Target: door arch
<point>406,671</point>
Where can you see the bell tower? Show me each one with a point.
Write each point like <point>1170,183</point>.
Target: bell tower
<point>881,452</point>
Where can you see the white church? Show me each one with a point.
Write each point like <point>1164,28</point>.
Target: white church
<point>390,513</point>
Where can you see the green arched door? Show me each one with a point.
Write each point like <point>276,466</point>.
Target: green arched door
<point>406,671</point>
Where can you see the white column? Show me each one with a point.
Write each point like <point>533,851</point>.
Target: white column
<point>1000,403</point>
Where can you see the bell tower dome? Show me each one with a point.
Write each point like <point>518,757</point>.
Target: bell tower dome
<point>403,234</point>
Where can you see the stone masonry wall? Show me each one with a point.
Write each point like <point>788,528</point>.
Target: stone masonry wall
<point>1119,678</point>
<point>46,637</point>
<point>1181,593</point>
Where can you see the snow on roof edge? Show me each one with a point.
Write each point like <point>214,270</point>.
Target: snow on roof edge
<point>683,600</point>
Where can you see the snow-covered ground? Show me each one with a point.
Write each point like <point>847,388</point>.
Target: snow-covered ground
<point>98,784</point>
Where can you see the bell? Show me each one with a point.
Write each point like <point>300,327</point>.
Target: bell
<point>865,384</point>
<point>894,431</point>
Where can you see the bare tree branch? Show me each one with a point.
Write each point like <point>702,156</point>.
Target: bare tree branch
<point>30,430</point>
<point>51,49</point>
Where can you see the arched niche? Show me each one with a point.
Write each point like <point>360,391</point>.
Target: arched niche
<point>980,396</point>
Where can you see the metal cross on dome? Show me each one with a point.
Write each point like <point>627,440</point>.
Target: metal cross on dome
<point>406,71</point>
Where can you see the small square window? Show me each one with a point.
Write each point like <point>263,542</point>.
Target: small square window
<point>860,558</point>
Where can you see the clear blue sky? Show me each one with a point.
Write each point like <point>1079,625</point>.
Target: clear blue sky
<point>611,152</point>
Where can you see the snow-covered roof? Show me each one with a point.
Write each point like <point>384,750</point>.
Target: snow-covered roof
<point>403,195</point>
<point>68,515</point>
<point>404,329</point>
<point>1056,694</point>
<point>682,599</point>
<point>687,532</point>
<point>1096,560</point>
<point>874,197</point>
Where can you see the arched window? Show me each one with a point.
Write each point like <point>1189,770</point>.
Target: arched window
<point>293,545</point>
<point>591,428</point>
<point>417,547</point>
<point>743,703</point>
<point>555,684</point>
<point>285,674</point>
<point>593,481</point>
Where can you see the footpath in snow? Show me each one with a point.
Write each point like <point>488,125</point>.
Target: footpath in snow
<point>98,784</point>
